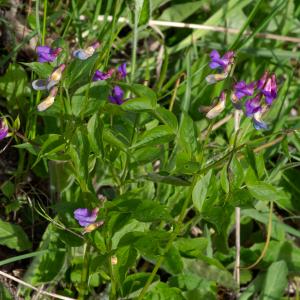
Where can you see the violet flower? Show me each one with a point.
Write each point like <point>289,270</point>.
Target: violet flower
<point>255,110</point>
<point>84,54</point>
<point>222,64</point>
<point>3,130</point>
<point>117,96</point>
<point>47,54</point>
<point>122,71</point>
<point>51,81</point>
<point>268,86</point>
<point>218,108</point>
<point>241,90</point>
<point>102,76</point>
<point>86,217</point>
<point>253,105</point>
<point>45,104</point>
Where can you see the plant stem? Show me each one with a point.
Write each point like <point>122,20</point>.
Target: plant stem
<point>84,272</point>
<point>44,21</point>
<point>237,116</point>
<point>134,45</point>
<point>170,242</point>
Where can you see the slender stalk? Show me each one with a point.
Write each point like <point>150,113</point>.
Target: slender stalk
<point>134,46</point>
<point>44,21</point>
<point>84,272</point>
<point>170,242</point>
<point>237,116</point>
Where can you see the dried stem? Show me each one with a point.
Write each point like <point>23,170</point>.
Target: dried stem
<point>237,118</point>
<point>56,296</point>
<point>270,36</point>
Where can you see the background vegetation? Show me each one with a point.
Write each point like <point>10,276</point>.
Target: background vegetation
<point>166,179</point>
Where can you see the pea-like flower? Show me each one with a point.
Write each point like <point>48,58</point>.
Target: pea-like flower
<point>117,96</point>
<point>86,217</point>
<point>255,110</point>
<point>268,86</point>
<point>45,104</point>
<point>240,90</point>
<point>47,54</point>
<point>51,81</point>
<point>122,71</point>
<point>84,54</point>
<point>3,129</point>
<point>102,76</point>
<point>218,108</point>
<point>222,64</point>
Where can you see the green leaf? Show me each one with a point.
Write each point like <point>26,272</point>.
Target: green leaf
<point>111,138</point>
<point>156,177</point>
<point>179,12</point>
<point>276,281</point>
<point>52,143</point>
<point>145,12</point>
<point>14,85</point>
<point>150,211</point>
<point>265,192</point>
<point>13,236</point>
<point>163,292</point>
<point>200,191</point>
<point>173,263</point>
<point>166,117</point>
<point>137,104</point>
<point>135,282</point>
<point>46,267</point>
<point>95,134</point>
<point>158,135</point>
<point>89,98</point>
<point>195,247</point>
<point>41,69</point>
<point>145,155</point>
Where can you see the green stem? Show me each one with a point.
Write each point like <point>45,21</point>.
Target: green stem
<point>44,21</point>
<point>84,272</point>
<point>170,242</point>
<point>134,46</point>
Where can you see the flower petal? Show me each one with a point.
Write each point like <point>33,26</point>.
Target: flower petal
<point>46,103</point>
<point>213,78</point>
<point>40,84</point>
<point>81,54</point>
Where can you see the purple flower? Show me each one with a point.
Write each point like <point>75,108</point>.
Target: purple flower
<point>102,76</point>
<point>223,63</point>
<point>84,54</point>
<point>3,130</point>
<point>51,81</point>
<point>47,54</point>
<point>241,89</point>
<point>253,105</point>
<point>122,71</point>
<point>85,217</point>
<point>268,87</point>
<point>117,95</point>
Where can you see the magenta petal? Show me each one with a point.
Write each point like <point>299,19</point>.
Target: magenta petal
<point>43,49</point>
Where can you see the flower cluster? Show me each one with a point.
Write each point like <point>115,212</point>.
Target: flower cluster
<point>47,54</point>
<point>264,91</point>
<point>117,96</point>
